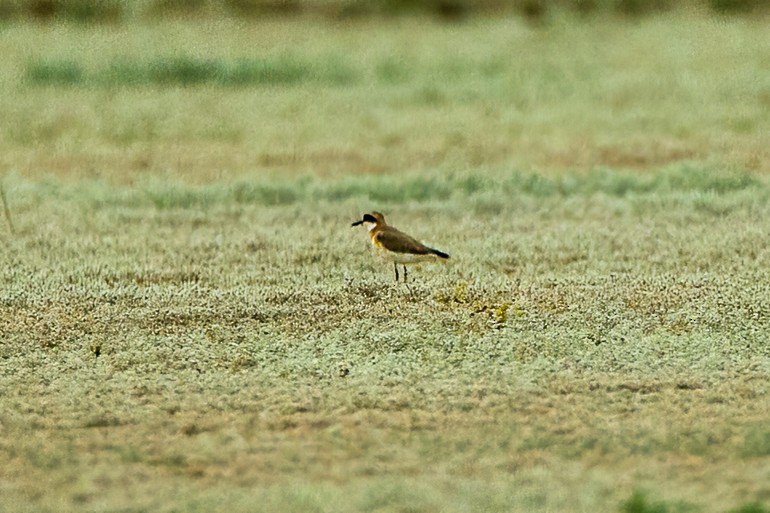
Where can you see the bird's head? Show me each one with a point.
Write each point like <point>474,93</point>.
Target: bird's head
<point>371,220</point>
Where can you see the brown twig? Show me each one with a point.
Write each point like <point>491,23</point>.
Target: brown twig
<point>6,209</point>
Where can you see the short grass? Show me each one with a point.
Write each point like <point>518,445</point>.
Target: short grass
<point>189,323</point>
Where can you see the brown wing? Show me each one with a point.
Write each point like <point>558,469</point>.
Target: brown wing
<point>399,242</point>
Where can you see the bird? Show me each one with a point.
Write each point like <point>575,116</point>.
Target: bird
<point>395,244</point>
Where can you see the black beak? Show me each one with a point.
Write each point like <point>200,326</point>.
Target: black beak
<point>357,223</point>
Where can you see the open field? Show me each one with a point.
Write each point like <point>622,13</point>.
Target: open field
<point>189,323</point>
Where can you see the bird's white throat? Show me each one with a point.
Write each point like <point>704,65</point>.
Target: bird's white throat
<point>370,226</point>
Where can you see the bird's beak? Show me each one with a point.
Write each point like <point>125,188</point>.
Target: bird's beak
<point>357,223</point>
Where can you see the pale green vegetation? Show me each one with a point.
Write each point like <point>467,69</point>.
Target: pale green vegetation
<point>189,323</point>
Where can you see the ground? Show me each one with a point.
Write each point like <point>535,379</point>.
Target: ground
<point>189,322</point>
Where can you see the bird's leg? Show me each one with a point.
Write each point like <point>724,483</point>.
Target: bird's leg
<point>404,273</point>
<point>395,266</point>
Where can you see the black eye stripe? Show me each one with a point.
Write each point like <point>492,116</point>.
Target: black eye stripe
<point>369,218</point>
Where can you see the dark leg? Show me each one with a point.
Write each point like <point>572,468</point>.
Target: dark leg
<point>404,274</point>
<point>395,266</point>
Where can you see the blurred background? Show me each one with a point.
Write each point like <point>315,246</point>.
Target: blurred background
<point>114,11</point>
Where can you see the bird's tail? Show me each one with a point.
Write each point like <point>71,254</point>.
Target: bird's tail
<point>438,253</point>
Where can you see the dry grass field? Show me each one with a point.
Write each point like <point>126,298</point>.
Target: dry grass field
<point>189,323</point>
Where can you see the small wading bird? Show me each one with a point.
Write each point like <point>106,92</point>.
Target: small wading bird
<point>395,244</point>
